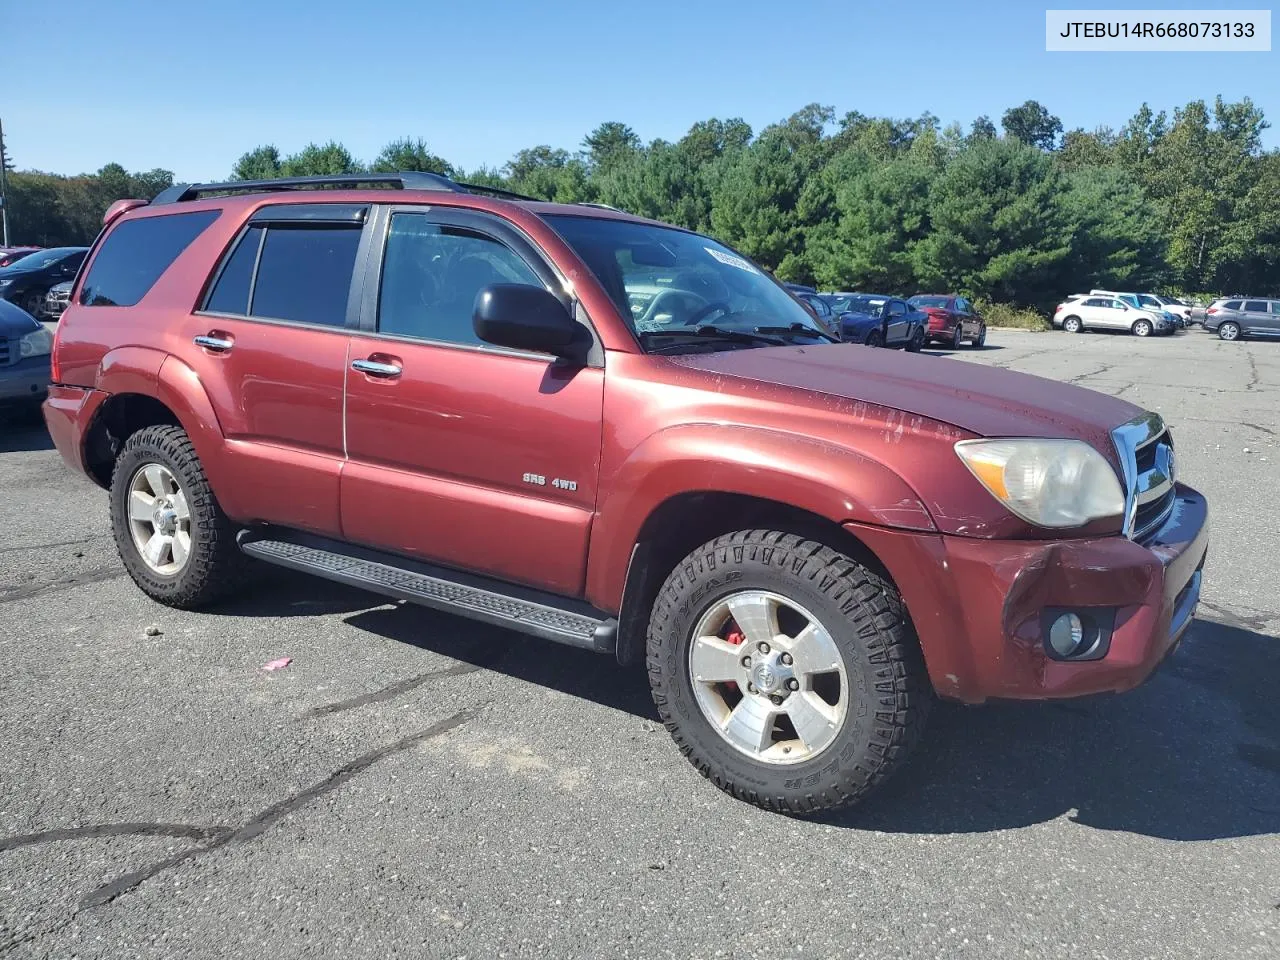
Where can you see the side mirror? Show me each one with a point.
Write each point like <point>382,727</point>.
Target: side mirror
<point>525,317</point>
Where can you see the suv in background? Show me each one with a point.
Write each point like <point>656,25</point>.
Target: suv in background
<point>623,436</point>
<point>1080,312</point>
<point>24,358</point>
<point>1238,317</point>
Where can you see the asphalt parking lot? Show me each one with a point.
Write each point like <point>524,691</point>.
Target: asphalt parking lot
<point>418,785</point>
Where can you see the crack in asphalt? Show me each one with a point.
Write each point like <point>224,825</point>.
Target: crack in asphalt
<point>267,818</point>
<point>1105,368</point>
<point>99,830</point>
<point>1261,429</point>
<point>393,691</point>
<point>1253,370</point>
<point>21,591</point>
<point>60,543</point>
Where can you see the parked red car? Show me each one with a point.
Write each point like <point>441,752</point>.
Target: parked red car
<point>9,255</point>
<point>624,436</point>
<point>952,319</point>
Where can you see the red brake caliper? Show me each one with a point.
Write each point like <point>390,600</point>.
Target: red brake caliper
<point>737,638</point>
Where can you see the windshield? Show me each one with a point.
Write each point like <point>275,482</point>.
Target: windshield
<point>941,302</point>
<point>664,280</point>
<point>871,306</point>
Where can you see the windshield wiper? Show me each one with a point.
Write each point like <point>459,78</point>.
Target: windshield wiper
<point>711,331</point>
<point>798,327</point>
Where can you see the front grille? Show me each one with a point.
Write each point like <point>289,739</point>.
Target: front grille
<point>1146,456</point>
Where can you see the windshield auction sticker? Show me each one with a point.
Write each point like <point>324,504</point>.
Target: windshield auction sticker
<point>1157,30</point>
<point>731,260</point>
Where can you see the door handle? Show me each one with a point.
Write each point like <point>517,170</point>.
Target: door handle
<point>375,369</point>
<point>218,344</point>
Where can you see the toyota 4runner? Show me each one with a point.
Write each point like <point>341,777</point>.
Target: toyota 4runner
<point>616,434</point>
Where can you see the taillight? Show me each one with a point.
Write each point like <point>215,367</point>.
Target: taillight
<point>55,370</point>
<point>1212,310</point>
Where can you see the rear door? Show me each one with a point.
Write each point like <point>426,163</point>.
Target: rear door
<point>463,453</point>
<point>1256,316</point>
<point>1273,320</point>
<point>270,346</point>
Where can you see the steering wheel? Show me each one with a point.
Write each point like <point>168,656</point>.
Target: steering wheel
<point>707,310</point>
<point>662,297</point>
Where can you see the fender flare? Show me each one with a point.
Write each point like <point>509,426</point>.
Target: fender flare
<point>179,388</point>
<point>834,482</point>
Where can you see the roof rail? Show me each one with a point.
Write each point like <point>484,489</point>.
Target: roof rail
<point>602,206</point>
<point>408,180</point>
<point>495,191</point>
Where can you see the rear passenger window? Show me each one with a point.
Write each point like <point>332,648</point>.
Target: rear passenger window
<point>303,273</point>
<point>136,253</point>
<point>1231,305</point>
<point>432,273</point>
<point>1256,306</point>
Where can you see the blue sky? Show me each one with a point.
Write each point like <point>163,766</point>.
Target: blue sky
<point>86,83</point>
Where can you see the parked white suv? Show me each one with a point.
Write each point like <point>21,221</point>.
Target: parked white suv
<point>1109,313</point>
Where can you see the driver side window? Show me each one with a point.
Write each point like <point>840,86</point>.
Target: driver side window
<point>431,274</point>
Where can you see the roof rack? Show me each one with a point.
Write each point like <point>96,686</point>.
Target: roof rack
<point>602,206</point>
<point>405,180</point>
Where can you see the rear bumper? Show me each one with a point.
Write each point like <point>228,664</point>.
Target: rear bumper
<point>977,604</point>
<point>68,411</point>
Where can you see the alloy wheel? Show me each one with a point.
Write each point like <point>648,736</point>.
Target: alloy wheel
<point>159,519</point>
<point>768,677</point>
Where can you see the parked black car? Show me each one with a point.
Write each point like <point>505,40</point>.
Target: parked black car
<point>879,321</point>
<point>24,358</point>
<point>29,279</point>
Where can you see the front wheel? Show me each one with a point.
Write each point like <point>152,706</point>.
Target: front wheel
<point>1229,330</point>
<point>873,339</point>
<point>172,535</point>
<point>1142,328</point>
<point>33,303</point>
<point>787,672</point>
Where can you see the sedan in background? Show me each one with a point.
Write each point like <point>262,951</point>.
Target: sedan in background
<point>28,280</point>
<point>821,310</point>
<point>1242,317</point>
<point>879,321</point>
<point>952,319</point>
<point>25,344</point>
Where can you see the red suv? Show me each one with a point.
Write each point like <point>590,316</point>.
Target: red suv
<point>624,436</point>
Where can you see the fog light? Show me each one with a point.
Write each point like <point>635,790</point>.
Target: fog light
<point>1066,635</point>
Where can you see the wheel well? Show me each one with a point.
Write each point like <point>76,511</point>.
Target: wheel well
<point>119,417</point>
<point>687,521</point>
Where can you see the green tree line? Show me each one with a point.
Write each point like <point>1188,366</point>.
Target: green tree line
<point>1018,214</point>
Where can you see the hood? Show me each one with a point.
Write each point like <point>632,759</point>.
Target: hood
<point>17,270</point>
<point>986,401</point>
<point>15,322</point>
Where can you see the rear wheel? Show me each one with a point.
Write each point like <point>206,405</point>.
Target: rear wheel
<point>1142,328</point>
<point>916,344</point>
<point>981,339</point>
<point>172,535</point>
<point>1072,325</point>
<point>787,672</point>
<point>33,303</point>
<point>1229,330</point>
<point>957,337</point>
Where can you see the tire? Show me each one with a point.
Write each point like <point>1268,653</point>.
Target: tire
<point>957,338</point>
<point>873,339</point>
<point>980,340</point>
<point>213,565</point>
<point>916,343</point>
<point>1229,330</point>
<point>1072,325</point>
<point>864,628</point>
<point>1141,328</point>
<point>33,303</point>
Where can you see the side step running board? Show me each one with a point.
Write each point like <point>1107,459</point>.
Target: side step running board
<point>480,598</point>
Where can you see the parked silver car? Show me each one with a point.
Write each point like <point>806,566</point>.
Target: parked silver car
<point>56,300</point>
<point>1081,313</point>
<point>1243,317</point>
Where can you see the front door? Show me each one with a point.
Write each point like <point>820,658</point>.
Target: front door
<point>462,453</point>
<point>270,348</point>
<point>898,325</point>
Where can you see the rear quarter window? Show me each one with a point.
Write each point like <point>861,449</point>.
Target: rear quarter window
<point>136,254</point>
<point>1231,305</point>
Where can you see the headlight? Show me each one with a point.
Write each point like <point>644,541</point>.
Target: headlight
<point>4,284</point>
<point>37,343</point>
<point>1051,483</point>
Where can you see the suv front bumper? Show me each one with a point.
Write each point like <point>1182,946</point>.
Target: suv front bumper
<point>977,605</point>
